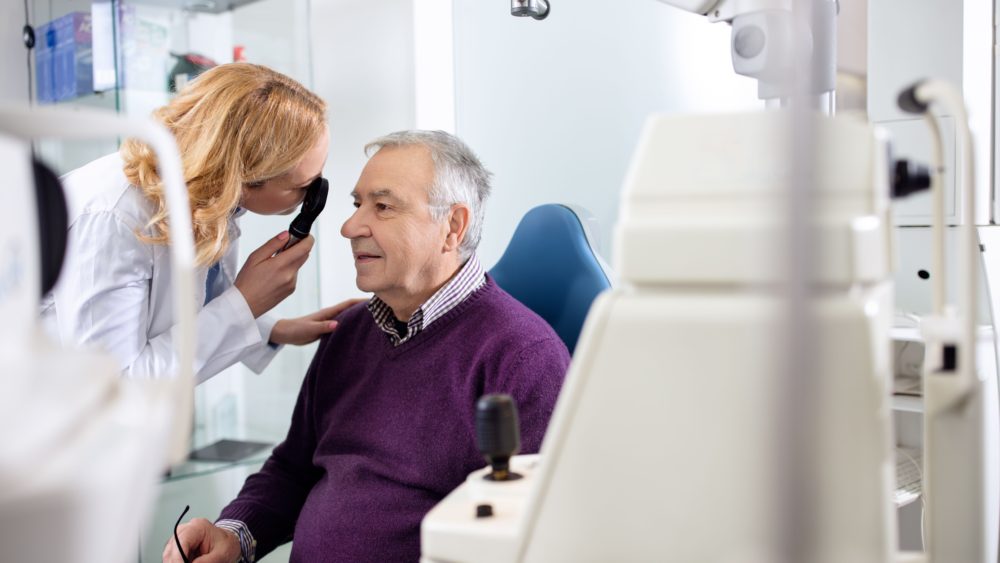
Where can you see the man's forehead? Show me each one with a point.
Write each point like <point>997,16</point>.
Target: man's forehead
<point>403,173</point>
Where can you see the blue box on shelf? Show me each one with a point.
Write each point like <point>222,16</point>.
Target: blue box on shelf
<point>45,90</point>
<point>64,61</point>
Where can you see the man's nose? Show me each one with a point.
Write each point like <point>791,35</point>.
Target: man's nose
<point>354,227</point>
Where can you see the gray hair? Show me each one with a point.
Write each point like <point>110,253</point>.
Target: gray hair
<point>459,177</point>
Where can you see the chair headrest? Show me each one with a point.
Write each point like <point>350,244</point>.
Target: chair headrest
<point>551,267</point>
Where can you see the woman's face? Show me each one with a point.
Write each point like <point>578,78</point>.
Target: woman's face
<point>282,194</point>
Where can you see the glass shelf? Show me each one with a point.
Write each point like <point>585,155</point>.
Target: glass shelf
<point>191,469</point>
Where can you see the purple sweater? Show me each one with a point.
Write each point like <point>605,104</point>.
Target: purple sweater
<point>380,434</point>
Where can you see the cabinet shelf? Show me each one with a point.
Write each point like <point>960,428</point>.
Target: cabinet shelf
<point>107,99</point>
<point>907,403</point>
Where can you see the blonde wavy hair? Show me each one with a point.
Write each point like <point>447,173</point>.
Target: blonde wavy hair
<point>236,125</point>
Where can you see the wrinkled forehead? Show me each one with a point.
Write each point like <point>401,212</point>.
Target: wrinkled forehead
<point>402,173</point>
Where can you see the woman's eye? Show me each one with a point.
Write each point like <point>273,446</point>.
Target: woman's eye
<point>256,183</point>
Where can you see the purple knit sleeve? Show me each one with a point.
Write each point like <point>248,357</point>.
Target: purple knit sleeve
<point>271,499</point>
<point>534,377</point>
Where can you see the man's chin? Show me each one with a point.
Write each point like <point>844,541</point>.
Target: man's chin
<point>364,285</point>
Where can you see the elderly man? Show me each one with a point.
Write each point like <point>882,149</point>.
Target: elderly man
<point>384,424</point>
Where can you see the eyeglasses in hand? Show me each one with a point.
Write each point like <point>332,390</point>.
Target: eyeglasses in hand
<point>177,540</point>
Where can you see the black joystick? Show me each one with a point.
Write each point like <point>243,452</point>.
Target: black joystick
<point>498,434</point>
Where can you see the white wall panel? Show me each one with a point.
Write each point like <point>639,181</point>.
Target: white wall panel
<point>554,107</point>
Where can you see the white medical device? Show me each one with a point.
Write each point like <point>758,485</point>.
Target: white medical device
<point>959,384</point>
<point>82,449</point>
<point>766,39</point>
<point>663,445</point>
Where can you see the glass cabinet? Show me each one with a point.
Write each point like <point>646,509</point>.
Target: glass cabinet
<point>130,56</point>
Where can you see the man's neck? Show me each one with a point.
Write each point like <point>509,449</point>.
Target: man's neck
<point>406,304</point>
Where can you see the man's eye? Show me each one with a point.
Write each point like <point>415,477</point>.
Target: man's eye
<point>357,205</point>
<point>381,207</point>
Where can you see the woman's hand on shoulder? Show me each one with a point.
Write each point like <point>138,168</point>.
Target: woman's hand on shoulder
<point>303,330</point>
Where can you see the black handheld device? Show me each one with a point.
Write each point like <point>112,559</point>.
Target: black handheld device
<point>312,205</point>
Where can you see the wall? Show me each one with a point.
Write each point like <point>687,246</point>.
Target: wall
<point>363,67</point>
<point>554,107</point>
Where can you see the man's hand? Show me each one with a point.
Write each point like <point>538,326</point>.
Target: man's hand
<point>265,279</point>
<point>203,542</point>
<point>304,330</point>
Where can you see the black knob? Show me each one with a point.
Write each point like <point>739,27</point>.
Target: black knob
<point>908,102</point>
<point>908,178</point>
<point>28,35</point>
<point>498,434</point>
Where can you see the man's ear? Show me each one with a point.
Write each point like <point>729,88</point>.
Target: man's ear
<point>458,225</point>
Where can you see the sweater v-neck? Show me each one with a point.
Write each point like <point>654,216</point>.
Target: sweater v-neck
<point>438,325</point>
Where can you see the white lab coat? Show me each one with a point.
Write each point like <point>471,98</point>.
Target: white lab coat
<point>114,291</point>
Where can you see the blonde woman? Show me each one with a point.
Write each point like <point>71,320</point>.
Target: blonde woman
<point>250,139</point>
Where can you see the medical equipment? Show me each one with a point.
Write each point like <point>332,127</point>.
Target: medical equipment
<point>498,434</point>
<point>674,376</point>
<point>660,447</point>
<point>52,220</point>
<point>952,40</point>
<point>82,449</point>
<point>766,38</point>
<point>955,389</point>
<point>536,9</point>
<point>312,206</point>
